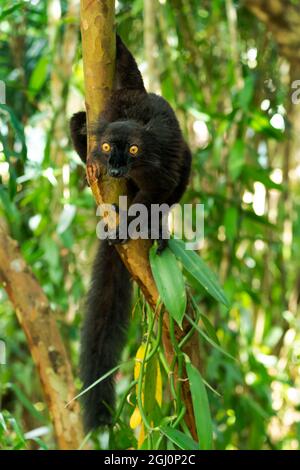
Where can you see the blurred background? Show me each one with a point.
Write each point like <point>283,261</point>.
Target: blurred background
<point>234,82</point>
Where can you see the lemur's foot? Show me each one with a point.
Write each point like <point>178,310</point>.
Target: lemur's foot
<point>116,238</point>
<point>93,171</point>
<point>162,244</point>
<point>161,238</point>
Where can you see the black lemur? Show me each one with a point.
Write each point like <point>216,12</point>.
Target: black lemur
<point>139,139</point>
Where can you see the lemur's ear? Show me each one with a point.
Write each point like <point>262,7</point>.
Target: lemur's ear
<point>79,134</point>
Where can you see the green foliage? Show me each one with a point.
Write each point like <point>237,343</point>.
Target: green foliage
<point>201,407</point>
<point>170,282</point>
<point>198,270</point>
<point>179,438</point>
<point>244,172</point>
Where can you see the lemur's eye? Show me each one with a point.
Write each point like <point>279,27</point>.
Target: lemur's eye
<point>106,147</point>
<point>133,149</point>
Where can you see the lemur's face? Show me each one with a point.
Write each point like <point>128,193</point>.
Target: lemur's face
<point>121,144</point>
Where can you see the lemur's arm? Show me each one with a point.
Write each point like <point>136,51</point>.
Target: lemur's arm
<point>128,77</point>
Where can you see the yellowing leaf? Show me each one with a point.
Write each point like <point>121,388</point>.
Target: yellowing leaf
<point>141,436</point>
<point>158,391</point>
<point>135,419</point>
<point>138,358</point>
<point>151,392</point>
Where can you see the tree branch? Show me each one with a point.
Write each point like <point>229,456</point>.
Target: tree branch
<point>44,341</point>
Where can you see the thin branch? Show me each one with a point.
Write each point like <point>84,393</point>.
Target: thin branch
<point>44,341</point>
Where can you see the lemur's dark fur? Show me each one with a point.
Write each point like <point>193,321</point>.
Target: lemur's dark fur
<point>157,174</point>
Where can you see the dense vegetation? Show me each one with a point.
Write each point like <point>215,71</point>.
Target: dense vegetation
<point>232,90</point>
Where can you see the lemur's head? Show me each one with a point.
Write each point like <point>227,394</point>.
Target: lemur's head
<point>124,147</point>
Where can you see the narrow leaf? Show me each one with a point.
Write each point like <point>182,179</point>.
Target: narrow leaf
<point>208,339</point>
<point>17,125</point>
<point>236,159</point>
<point>38,76</point>
<point>183,441</point>
<point>170,283</point>
<point>231,223</point>
<point>26,403</point>
<point>201,407</point>
<point>206,322</point>
<point>209,328</point>
<point>198,270</point>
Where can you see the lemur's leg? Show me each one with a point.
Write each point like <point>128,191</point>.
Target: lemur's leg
<point>78,134</point>
<point>127,72</point>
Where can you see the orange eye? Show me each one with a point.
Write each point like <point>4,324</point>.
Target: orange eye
<point>106,147</point>
<point>133,149</point>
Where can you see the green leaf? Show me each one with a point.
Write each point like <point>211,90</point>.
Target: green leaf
<point>251,173</point>
<point>170,283</point>
<point>201,407</point>
<point>231,223</point>
<point>260,219</point>
<point>198,270</point>
<point>137,8</point>
<point>38,76</point>
<point>26,403</point>
<point>236,159</point>
<point>261,123</point>
<point>40,443</point>
<point>103,377</point>
<point>208,339</point>
<point>183,441</point>
<point>17,126</point>
<point>18,431</point>
<point>245,95</point>
<point>167,87</point>
<point>206,322</point>
<point>150,386</point>
<point>209,328</point>
<point>10,10</point>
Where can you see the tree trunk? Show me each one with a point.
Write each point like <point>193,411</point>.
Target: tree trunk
<point>98,48</point>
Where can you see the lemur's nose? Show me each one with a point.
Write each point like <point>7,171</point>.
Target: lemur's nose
<point>114,172</point>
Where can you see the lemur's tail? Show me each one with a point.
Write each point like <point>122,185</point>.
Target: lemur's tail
<point>104,333</point>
